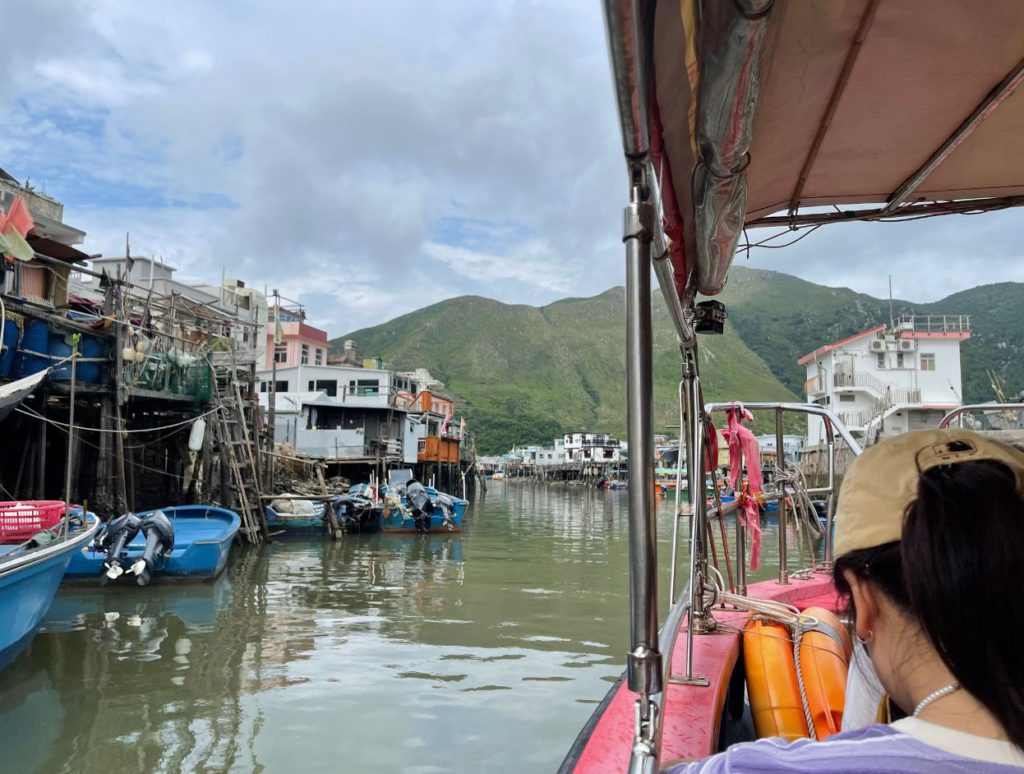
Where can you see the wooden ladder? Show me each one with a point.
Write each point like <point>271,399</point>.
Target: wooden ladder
<point>234,438</point>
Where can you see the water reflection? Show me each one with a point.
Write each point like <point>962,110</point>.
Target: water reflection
<point>378,652</point>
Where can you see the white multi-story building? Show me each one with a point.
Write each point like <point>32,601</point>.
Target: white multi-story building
<point>886,381</point>
<point>592,447</point>
<point>543,455</point>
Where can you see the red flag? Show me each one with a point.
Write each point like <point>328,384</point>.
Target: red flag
<point>19,217</point>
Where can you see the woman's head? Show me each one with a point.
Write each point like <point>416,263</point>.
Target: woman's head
<point>930,546</point>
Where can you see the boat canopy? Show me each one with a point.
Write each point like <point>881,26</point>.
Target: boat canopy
<point>802,112</point>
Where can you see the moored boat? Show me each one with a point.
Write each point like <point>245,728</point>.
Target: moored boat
<point>295,516</point>
<point>31,570</point>
<point>139,545</point>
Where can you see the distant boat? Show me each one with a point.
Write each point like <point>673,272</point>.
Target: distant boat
<point>30,575</point>
<point>135,544</point>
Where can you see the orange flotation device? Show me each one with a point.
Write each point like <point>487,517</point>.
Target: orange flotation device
<point>774,682</point>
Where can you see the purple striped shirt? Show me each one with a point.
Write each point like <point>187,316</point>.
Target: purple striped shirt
<point>875,749</point>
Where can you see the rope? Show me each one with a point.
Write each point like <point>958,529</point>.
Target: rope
<point>798,634</point>
<point>30,412</point>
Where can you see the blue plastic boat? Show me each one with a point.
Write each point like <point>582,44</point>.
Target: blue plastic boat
<point>201,542</point>
<point>29,578</point>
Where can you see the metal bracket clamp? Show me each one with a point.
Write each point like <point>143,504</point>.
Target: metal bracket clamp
<point>644,671</point>
<point>645,724</point>
<point>637,220</point>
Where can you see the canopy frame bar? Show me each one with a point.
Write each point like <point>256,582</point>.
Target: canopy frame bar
<point>914,210</point>
<point>833,103</point>
<point>985,108</point>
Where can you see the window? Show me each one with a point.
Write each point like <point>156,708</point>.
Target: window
<point>319,357</point>
<point>279,386</point>
<point>927,361</point>
<point>899,360</point>
<point>304,360</point>
<point>263,386</point>
<point>330,386</point>
<point>881,359</point>
<point>309,386</point>
<point>845,398</point>
<point>364,387</point>
<point>280,353</point>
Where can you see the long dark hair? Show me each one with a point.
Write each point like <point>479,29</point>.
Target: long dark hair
<point>959,570</point>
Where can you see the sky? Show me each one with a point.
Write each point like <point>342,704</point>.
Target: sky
<point>370,159</point>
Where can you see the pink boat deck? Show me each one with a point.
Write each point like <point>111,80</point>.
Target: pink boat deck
<point>690,714</point>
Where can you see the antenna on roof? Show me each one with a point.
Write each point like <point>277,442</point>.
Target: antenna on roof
<point>892,321</point>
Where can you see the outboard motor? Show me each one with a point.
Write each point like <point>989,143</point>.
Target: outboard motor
<point>421,505</point>
<point>447,506</point>
<point>117,534</point>
<point>159,534</point>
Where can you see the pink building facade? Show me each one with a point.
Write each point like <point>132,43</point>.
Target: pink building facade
<point>301,344</point>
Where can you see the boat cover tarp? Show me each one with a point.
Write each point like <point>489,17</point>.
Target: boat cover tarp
<point>768,78</point>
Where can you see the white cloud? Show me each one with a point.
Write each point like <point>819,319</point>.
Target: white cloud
<point>349,153</point>
<point>531,264</point>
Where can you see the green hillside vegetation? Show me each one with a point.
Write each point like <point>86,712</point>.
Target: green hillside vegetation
<point>526,374</point>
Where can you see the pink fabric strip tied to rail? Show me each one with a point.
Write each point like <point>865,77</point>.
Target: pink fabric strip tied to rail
<point>743,446</point>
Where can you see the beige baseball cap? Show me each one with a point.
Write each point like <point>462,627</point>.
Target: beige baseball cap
<point>882,482</point>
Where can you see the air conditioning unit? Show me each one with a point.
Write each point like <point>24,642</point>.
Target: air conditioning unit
<point>907,345</point>
<point>878,345</point>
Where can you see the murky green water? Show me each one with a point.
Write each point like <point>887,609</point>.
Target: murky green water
<point>484,651</point>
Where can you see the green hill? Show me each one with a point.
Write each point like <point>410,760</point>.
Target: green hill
<point>525,374</point>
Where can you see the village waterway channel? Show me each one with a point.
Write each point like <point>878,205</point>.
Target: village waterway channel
<point>484,651</point>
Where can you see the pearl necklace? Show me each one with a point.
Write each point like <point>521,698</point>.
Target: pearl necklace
<point>934,696</point>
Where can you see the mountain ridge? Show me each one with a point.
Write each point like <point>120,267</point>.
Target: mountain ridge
<point>526,374</point>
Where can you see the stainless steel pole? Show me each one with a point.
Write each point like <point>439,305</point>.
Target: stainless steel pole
<point>644,665</point>
<point>780,464</point>
<point>831,499</point>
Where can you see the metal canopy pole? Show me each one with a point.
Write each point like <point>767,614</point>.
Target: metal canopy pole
<point>644,665</point>
<point>780,464</point>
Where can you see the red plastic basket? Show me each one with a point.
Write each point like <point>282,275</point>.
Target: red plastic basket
<point>20,521</point>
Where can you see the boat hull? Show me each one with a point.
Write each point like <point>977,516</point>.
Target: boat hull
<point>28,584</point>
<point>296,523</point>
<point>203,536</point>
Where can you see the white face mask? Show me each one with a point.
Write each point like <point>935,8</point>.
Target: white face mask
<point>864,691</point>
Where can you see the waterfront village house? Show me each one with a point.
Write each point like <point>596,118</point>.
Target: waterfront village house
<point>593,447</point>
<point>885,381</point>
<point>301,344</point>
<point>543,455</point>
<point>244,310</point>
<point>349,412</point>
<point>35,281</point>
<point>792,448</point>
